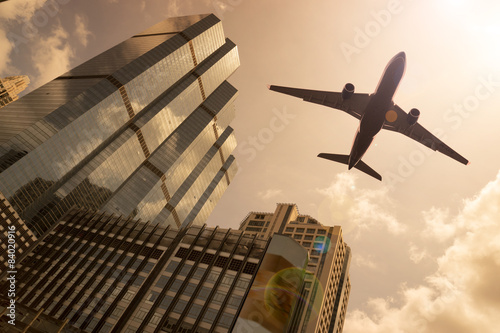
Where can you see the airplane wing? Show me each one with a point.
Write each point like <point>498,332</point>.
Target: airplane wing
<point>355,105</point>
<point>419,133</point>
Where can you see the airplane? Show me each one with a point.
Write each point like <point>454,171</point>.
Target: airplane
<point>375,112</point>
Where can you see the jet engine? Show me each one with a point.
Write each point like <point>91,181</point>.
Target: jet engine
<point>347,91</point>
<point>413,116</point>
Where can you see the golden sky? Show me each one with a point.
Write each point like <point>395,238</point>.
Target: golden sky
<point>425,240</point>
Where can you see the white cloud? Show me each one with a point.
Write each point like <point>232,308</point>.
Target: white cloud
<point>416,255</point>
<point>12,13</point>
<point>438,226</point>
<point>270,193</point>
<point>364,261</point>
<point>81,31</point>
<point>52,55</point>
<point>357,209</point>
<point>20,9</point>
<point>463,294</point>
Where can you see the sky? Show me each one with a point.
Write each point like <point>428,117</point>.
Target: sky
<point>426,240</point>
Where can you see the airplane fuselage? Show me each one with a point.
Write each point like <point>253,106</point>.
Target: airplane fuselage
<point>380,103</point>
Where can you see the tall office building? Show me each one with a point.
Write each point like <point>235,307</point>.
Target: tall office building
<point>11,87</point>
<point>101,273</point>
<point>140,130</point>
<point>327,287</point>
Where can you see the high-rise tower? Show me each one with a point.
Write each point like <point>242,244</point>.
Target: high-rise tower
<point>141,130</point>
<point>327,283</point>
<point>11,87</point>
<point>102,273</point>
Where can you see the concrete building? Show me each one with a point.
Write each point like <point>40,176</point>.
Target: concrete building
<point>140,130</point>
<point>327,284</point>
<point>11,87</point>
<point>15,237</point>
<point>100,273</point>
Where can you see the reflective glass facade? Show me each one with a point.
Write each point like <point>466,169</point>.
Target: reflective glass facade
<point>141,130</point>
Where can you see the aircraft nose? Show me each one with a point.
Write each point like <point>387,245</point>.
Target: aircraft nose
<point>402,55</point>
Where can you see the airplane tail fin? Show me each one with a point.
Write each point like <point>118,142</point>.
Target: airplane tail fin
<point>344,159</point>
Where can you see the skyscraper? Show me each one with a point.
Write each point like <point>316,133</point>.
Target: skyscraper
<point>102,273</point>
<point>11,87</point>
<point>140,130</point>
<point>327,283</point>
<point>15,237</point>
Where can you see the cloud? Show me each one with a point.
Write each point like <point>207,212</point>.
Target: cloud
<point>363,261</point>
<point>463,294</point>
<point>438,227</point>
<point>270,193</point>
<point>357,209</point>
<point>81,31</point>
<point>416,255</point>
<point>52,55</point>
<point>12,13</point>
<point>20,9</point>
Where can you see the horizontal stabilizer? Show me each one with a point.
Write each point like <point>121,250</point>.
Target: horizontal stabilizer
<point>366,169</point>
<point>344,159</point>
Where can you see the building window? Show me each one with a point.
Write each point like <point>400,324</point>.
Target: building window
<point>299,230</point>
<point>189,289</point>
<point>171,266</point>
<point>225,320</point>
<point>194,312</point>
<point>204,292</point>
<point>256,223</point>
<point>152,297</point>
<point>166,302</point>
<point>179,307</point>
<point>218,298</point>
<point>242,283</point>
<point>322,231</point>
<point>199,273</point>
<point>311,231</point>
<point>176,285</point>
<point>308,237</point>
<point>306,244</point>
<point>297,236</point>
<point>234,301</point>
<point>141,313</point>
<point>253,229</point>
<point>149,266</point>
<point>162,282</point>
<point>209,316</point>
<point>155,319</point>
<point>289,229</point>
<point>185,269</point>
